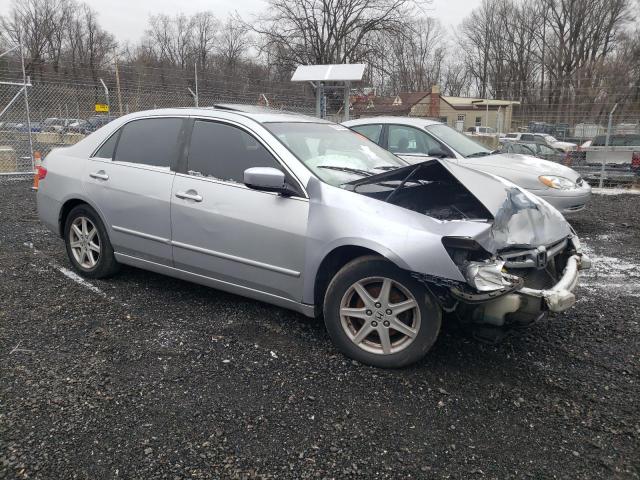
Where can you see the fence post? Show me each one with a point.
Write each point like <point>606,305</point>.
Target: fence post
<point>26,107</point>
<point>606,145</point>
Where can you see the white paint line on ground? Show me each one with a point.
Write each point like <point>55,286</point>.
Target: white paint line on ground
<point>78,279</point>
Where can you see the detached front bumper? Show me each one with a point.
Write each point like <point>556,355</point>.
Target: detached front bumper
<point>560,297</point>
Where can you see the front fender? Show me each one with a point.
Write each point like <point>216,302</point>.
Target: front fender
<point>410,240</point>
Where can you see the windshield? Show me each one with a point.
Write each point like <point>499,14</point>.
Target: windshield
<point>550,139</point>
<point>457,141</point>
<point>334,153</point>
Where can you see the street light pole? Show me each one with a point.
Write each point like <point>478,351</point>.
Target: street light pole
<point>106,93</point>
<point>606,144</point>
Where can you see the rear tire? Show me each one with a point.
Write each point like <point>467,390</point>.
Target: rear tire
<point>379,315</point>
<point>88,246</point>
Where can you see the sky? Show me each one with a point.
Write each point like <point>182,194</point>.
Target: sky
<point>127,19</point>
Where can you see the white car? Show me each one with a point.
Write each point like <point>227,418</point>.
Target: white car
<point>415,139</point>
<point>543,138</point>
<point>483,131</point>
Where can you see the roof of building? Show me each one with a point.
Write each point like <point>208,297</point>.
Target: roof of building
<point>399,104</point>
<point>469,102</point>
<point>402,103</point>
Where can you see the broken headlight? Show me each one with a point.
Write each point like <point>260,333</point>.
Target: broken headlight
<point>480,269</point>
<point>486,276</point>
<point>463,249</point>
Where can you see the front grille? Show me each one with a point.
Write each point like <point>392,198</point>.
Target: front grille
<point>533,258</point>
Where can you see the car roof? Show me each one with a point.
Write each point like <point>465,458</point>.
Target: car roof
<point>256,113</point>
<point>412,121</point>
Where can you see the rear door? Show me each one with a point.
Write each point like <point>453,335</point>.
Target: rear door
<point>227,231</point>
<point>130,178</point>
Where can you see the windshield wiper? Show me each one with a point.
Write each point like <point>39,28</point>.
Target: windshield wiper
<point>386,168</point>
<point>357,171</point>
<point>478,154</point>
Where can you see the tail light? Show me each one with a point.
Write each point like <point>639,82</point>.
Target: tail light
<point>41,172</point>
<point>635,161</point>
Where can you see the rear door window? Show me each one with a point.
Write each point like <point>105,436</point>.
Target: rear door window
<point>150,141</point>
<point>410,140</point>
<point>224,152</point>
<point>108,147</point>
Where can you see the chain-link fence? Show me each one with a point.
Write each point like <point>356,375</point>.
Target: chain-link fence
<point>15,146</point>
<point>62,113</point>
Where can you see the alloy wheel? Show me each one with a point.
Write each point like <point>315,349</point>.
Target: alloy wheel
<point>84,241</point>
<point>380,315</point>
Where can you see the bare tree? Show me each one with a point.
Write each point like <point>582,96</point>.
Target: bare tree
<point>170,39</point>
<point>233,43</point>
<point>205,32</point>
<point>89,46</point>
<point>328,31</point>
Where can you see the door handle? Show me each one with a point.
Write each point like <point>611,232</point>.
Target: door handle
<point>100,175</point>
<point>190,195</point>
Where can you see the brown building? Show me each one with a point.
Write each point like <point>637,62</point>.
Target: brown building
<point>461,113</point>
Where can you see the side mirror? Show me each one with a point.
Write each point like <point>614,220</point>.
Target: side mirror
<point>437,152</point>
<point>267,179</point>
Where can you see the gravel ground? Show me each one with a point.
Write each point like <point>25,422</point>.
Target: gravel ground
<point>144,376</point>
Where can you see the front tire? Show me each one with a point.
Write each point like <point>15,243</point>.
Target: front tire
<point>88,246</point>
<point>379,315</point>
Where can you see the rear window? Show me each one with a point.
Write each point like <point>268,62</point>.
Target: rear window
<point>150,141</point>
<point>108,147</point>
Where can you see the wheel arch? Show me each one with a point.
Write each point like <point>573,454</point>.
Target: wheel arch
<point>68,205</point>
<point>338,257</point>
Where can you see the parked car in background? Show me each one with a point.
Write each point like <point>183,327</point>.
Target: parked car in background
<point>485,131</point>
<point>621,158</point>
<point>97,121</point>
<point>62,125</point>
<point>415,138</point>
<point>618,140</point>
<point>35,127</point>
<point>19,126</point>
<point>543,138</point>
<point>305,214</point>
<point>538,150</point>
<point>79,126</point>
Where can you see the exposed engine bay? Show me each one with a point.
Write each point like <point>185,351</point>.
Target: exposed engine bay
<point>429,189</point>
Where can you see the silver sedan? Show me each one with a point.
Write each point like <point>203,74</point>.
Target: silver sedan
<point>415,139</point>
<point>307,215</point>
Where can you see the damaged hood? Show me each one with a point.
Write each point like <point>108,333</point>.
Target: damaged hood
<point>520,219</point>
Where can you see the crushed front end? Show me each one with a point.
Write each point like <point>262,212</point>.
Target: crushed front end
<point>524,263</point>
<point>510,289</point>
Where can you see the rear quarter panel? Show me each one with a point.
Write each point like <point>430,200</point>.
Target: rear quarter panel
<point>63,182</point>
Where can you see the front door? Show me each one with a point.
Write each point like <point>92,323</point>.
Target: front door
<point>227,231</point>
<point>130,179</point>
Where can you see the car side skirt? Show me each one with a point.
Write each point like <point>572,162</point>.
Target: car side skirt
<point>303,308</point>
